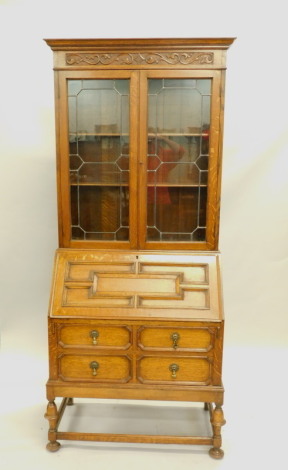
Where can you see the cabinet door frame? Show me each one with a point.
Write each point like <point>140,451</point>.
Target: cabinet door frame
<point>214,169</point>
<point>63,173</point>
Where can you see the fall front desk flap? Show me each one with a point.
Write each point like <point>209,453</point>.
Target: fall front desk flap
<point>110,284</point>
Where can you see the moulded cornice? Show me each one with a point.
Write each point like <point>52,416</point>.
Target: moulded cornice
<point>136,43</point>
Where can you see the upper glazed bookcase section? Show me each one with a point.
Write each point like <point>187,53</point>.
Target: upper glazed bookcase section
<point>196,53</point>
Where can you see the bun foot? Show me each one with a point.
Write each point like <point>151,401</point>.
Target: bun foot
<point>53,446</point>
<point>216,453</point>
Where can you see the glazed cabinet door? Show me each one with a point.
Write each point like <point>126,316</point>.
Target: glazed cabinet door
<point>179,159</point>
<point>97,153</point>
<point>139,158</point>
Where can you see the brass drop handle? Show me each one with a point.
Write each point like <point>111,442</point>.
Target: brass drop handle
<point>94,366</point>
<point>94,335</point>
<point>175,338</point>
<point>174,368</point>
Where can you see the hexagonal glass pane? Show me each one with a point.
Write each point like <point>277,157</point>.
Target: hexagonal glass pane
<point>97,84</point>
<point>75,162</point>
<point>153,233</point>
<point>202,162</point>
<point>123,162</point>
<point>177,174</point>
<point>74,87</point>
<point>203,86</point>
<point>77,233</point>
<point>102,173</point>
<point>111,205</point>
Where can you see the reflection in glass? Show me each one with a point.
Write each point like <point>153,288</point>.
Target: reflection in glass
<point>99,158</point>
<point>177,158</point>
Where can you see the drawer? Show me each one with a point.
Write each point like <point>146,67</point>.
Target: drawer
<point>95,368</point>
<point>189,370</point>
<point>95,336</point>
<point>176,338</point>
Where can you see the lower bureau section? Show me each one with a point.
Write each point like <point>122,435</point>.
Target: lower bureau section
<point>135,360</point>
<point>188,353</point>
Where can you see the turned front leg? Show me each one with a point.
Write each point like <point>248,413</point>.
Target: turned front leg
<point>217,421</point>
<point>52,416</point>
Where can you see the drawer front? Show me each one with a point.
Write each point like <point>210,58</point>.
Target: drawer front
<point>95,368</point>
<point>192,339</point>
<point>95,336</point>
<point>189,370</point>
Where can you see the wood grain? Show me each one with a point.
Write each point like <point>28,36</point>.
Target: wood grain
<point>113,283</point>
<point>193,370</point>
<point>172,63</point>
<point>118,302</point>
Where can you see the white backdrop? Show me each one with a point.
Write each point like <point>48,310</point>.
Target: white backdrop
<point>254,222</point>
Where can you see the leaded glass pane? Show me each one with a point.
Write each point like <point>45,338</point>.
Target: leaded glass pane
<point>98,113</point>
<point>177,158</point>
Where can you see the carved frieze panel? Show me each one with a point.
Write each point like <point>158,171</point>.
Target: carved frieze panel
<point>150,58</point>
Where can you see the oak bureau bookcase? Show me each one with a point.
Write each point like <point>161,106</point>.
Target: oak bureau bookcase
<point>136,305</point>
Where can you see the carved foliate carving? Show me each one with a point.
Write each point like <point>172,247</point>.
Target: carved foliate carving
<point>151,58</point>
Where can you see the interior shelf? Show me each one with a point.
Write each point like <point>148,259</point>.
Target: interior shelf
<point>148,185</point>
<point>125,134</point>
<point>100,184</point>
